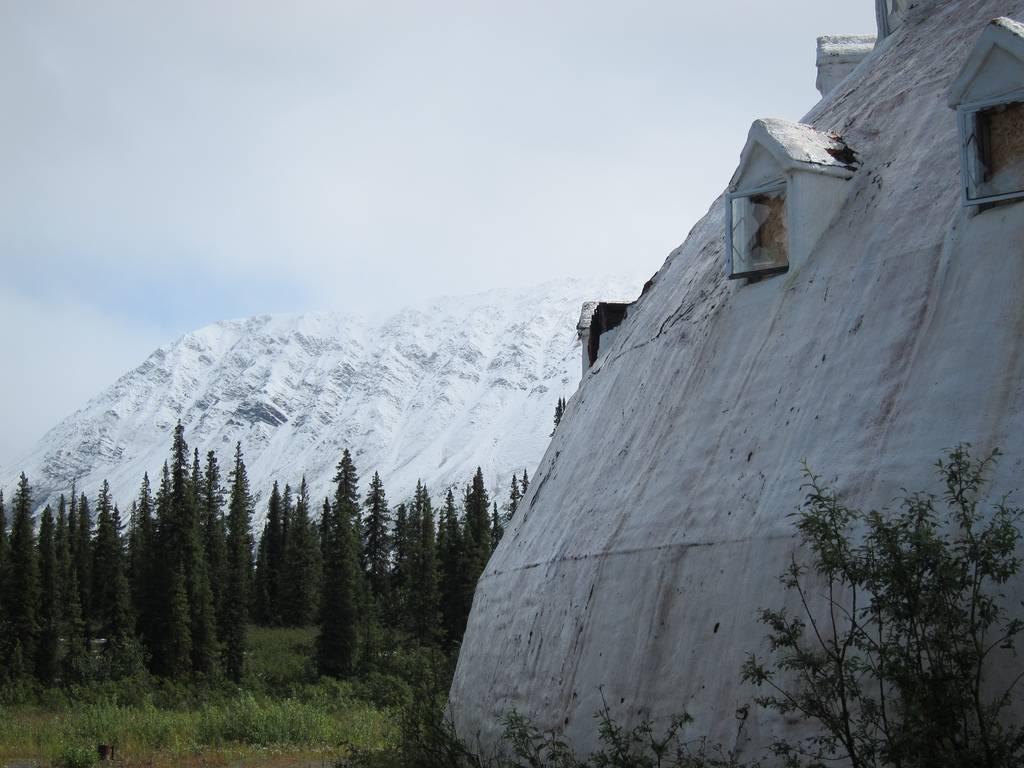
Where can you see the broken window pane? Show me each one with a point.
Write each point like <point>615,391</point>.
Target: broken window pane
<point>994,147</point>
<point>759,242</point>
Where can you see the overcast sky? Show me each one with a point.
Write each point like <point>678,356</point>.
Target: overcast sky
<point>168,164</point>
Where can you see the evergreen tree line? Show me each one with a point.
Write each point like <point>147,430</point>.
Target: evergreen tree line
<point>172,588</point>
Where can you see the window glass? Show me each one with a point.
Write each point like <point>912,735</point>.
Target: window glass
<point>994,146</point>
<point>1003,128</point>
<point>759,241</point>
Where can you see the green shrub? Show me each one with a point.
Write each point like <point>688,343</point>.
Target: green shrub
<point>893,669</point>
<point>76,757</point>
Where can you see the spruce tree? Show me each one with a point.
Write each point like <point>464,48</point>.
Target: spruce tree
<point>514,497</point>
<point>47,653</point>
<point>450,561</point>
<point>62,552</point>
<point>141,551</point>
<point>112,606</point>
<point>525,484</point>
<point>83,562</point>
<point>156,629</point>
<point>424,579</point>
<point>239,567</point>
<point>181,544</point>
<point>70,609</point>
<point>111,601</point>
<point>122,650</point>
<point>302,564</point>
<point>287,509</point>
<point>477,515</point>
<point>268,569</point>
<point>376,539</point>
<point>559,411</point>
<point>22,584</point>
<point>339,619</point>
<point>211,504</point>
<point>476,546</point>
<point>400,567</point>
<point>497,529</point>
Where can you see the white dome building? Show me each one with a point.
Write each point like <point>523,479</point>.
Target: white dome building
<point>884,325</point>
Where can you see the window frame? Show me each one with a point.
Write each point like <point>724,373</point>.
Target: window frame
<point>965,113</point>
<point>779,185</point>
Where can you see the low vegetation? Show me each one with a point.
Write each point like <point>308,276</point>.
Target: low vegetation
<point>280,709</point>
<point>890,660</point>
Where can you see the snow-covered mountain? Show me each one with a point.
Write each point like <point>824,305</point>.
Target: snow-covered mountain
<point>431,392</point>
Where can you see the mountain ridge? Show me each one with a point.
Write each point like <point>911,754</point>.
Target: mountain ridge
<point>428,392</point>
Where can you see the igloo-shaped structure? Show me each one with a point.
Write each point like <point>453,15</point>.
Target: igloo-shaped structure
<point>658,520</point>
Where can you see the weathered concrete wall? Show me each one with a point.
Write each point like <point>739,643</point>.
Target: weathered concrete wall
<point>657,522</point>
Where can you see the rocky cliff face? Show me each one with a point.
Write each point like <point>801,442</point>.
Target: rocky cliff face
<point>657,522</point>
<point>429,393</point>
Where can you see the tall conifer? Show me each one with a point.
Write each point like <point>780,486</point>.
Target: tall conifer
<point>424,587</point>
<point>376,539</point>
<point>450,562</point>
<point>211,505</point>
<point>514,497</point>
<point>141,552</point>
<point>476,546</point>
<point>22,584</point>
<point>269,562</point>
<point>497,529</point>
<point>187,553</point>
<point>83,562</point>
<point>49,601</point>
<point>239,567</point>
<point>62,552</point>
<point>401,577</point>
<point>336,641</point>
<point>112,599</point>
<point>302,564</point>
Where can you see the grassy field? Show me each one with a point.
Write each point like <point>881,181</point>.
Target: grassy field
<point>281,715</point>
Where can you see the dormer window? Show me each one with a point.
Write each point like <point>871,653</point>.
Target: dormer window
<point>790,183</point>
<point>988,96</point>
